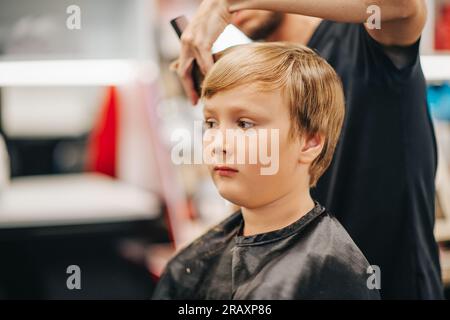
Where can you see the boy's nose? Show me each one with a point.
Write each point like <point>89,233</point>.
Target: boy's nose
<point>219,149</point>
<point>222,147</point>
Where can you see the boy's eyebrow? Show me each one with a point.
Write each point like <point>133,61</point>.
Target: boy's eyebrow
<point>230,109</point>
<point>208,109</point>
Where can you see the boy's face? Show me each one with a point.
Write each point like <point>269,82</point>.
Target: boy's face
<point>256,116</point>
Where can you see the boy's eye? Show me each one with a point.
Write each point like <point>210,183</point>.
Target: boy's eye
<point>209,124</point>
<point>245,124</point>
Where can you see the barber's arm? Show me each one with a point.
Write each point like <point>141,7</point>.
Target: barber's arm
<point>402,22</point>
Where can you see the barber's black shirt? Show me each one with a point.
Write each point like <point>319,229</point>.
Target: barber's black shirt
<point>380,185</point>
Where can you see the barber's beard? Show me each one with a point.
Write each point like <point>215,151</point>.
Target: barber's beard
<point>267,27</point>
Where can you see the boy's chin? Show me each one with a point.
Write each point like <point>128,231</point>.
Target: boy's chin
<point>241,199</point>
<point>238,198</point>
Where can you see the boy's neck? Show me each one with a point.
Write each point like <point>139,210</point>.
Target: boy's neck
<point>278,214</point>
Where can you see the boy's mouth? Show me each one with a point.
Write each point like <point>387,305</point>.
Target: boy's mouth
<point>225,171</point>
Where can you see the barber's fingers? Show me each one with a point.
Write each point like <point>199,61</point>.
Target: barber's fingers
<point>204,59</point>
<point>185,65</point>
<point>194,46</point>
<point>210,20</point>
<point>188,85</point>
<point>192,49</point>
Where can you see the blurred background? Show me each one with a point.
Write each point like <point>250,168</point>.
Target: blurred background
<point>86,116</point>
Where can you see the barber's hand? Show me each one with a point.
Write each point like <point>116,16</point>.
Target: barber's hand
<point>209,21</point>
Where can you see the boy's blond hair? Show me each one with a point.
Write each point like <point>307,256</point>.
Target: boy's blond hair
<point>310,86</point>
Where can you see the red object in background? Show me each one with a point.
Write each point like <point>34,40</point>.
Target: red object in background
<point>442,29</point>
<point>102,147</point>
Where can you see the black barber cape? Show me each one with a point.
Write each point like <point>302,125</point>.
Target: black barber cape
<point>380,185</point>
<point>313,258</point>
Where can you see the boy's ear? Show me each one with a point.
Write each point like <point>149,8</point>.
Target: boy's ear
<point>311,147</point>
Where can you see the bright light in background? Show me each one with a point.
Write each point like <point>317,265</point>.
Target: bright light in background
<point>75,72</point>
<point>436,67</point>
<point>119,72</point>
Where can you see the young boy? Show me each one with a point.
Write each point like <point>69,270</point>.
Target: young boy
<point>280,244</point>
